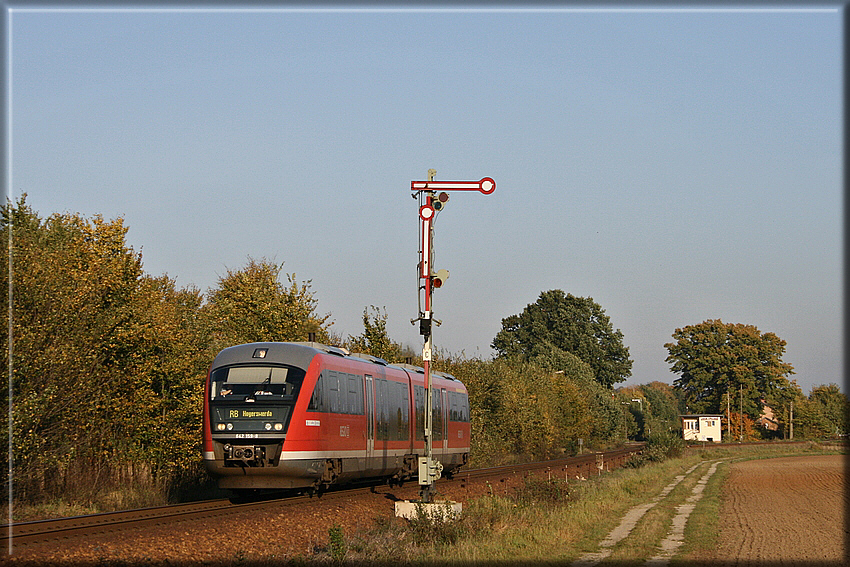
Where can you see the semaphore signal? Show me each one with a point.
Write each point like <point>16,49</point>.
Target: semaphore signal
<point>430,203</point>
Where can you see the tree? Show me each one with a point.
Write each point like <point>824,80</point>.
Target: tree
<point>108,363</point>
<point>374,339</point>
<point>560,322</point>
<point>826,413</point>
<point>716,360</point>
<point>635,410</point>
<point>662,407</point>
<point>252,305</point>
<point>106,367</point>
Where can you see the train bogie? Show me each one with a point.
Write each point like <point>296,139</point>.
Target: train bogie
<point>304,415</point>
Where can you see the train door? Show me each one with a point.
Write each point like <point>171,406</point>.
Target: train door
<point>445,396</point>
<point>370,419</point>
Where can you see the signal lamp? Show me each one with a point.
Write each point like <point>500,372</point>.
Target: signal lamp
<point>278,426</point>
<point>220,426</point>
<point>440,201</point>
<point>439,278</point>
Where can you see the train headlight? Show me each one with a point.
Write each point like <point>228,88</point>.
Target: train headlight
<point>278,426</point>
<point>229,426</point>
<point>220,426</point>
<point>268,427</point>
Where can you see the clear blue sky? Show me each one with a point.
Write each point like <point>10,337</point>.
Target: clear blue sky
<point>674,165</point>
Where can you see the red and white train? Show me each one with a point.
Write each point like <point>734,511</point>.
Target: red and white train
<point>307,416</point>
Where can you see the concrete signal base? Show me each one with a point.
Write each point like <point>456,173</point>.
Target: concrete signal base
<point>445,510</point>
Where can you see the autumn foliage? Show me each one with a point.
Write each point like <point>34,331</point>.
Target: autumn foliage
<point>108,363</point>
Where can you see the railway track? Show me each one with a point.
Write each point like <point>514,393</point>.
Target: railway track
<point>24,534</point>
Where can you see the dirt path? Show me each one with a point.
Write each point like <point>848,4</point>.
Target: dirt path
<point>627,524</point>
<point>784,511</point>
<point>676,536</point>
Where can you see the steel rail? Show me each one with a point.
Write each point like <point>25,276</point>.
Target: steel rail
<point>41,531</point>
<point>23,533</point>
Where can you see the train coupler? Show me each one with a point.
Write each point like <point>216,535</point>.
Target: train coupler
<point>244,455</point>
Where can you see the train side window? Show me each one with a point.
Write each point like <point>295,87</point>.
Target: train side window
<point>338,392</point>
<point>341,392</point>
<point>392,412</point>
<point>403,412</point>
<point>382,403</point>
<point>419,409</point>
<point>459,406</point>
<point>437,416</point>
<point>355,394</point>
<point>329,391</point>
<point>317,401</point>
<point>398,414</point>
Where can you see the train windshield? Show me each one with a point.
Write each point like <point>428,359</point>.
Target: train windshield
<point>255,383</point>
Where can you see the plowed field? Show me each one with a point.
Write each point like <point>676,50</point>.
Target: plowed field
<point>784,511</point>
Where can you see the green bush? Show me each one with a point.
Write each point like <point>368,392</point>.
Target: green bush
<point>535,491</point>
<point>665,445</point>
<point>442,529</point>
<point>659,447</point>
<point>336,543</point>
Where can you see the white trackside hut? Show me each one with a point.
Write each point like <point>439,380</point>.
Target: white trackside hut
<point>701,427</point>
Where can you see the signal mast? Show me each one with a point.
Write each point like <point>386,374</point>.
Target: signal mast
<point>431,203</point>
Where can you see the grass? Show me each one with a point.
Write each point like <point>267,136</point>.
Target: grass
<point>108,500</point>
<point>541,524</point>
<point>112,495</point>
<point>544,521</point>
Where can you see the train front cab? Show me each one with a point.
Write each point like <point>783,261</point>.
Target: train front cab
<point>251,399</point>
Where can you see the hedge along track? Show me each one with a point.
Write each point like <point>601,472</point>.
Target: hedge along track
<point>25,534</point>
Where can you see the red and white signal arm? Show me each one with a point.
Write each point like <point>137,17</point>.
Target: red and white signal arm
<point>486,185</point>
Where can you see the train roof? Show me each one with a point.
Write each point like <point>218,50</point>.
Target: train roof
<point>420,370</point>
<point>370,358</point>
<point>294,354</point>
<point>300,354</point>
